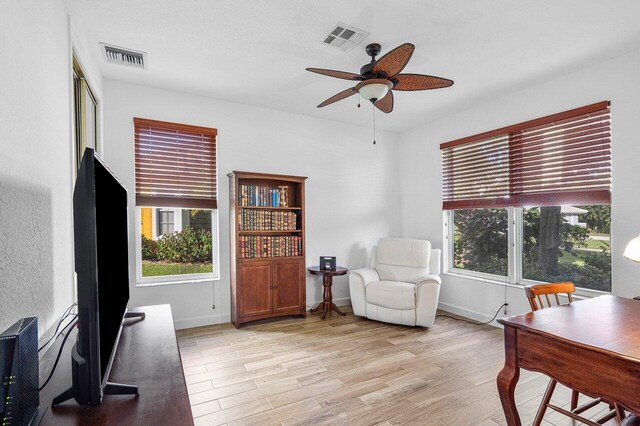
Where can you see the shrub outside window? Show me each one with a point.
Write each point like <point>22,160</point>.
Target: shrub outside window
<point>185,247</point>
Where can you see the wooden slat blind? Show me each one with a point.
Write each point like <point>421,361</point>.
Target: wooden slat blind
<point>560,159</point>
<point>175,165</point>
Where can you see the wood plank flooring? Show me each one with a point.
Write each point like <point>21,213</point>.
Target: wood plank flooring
<point>352,371</point>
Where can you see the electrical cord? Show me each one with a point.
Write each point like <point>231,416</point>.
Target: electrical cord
<point>55,364</point>
<point>473,322</point>
<point>64,315</point>
<point>55,336</point>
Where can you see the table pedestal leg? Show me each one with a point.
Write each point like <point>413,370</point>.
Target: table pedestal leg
<point>327,304</point>
<point>335,308</point>
<point>318,308</point>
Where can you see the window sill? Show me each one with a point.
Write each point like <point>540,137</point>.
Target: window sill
<point>176,282</point>
<point>481,278</point>
<point>584,293</point>
<point>581,293</point>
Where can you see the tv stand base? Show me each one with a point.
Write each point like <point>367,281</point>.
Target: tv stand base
<point>109,389</point>
<point>64,396</point>
<point>140,315</point>
<point>119,389</point>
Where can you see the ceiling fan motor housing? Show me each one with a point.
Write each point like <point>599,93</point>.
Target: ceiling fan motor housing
<point>373,50</point>
<point>366,72</point>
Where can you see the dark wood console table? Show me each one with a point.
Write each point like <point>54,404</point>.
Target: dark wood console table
<point>591,345</point>
<point>327,275</point>
<point>147,356</point>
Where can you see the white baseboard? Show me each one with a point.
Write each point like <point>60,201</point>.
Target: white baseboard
<point>345,301</point>
<point>467,313</point>
<point>202,321</point>
<point>181,324</point>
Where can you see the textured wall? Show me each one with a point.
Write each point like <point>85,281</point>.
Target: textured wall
<point>26,251</point>
<point>36,276</point>
<point>36,227</point>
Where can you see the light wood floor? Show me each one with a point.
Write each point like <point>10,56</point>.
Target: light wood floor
<point>349,370</point>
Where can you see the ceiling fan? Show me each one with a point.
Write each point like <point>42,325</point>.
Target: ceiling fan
<point>379,78</point>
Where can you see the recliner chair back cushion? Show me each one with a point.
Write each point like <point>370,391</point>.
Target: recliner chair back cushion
<point>402,259</point>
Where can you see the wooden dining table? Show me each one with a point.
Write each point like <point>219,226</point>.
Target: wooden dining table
<point>592,346</point>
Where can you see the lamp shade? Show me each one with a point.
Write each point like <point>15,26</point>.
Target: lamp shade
<point>374,91</point>
<point>632,251</point>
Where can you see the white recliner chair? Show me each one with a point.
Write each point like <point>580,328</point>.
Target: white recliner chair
<point>402,284</point>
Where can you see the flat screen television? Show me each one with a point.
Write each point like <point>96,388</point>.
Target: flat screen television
<point>102,267</point>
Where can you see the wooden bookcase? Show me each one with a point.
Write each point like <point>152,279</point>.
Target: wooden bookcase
<point>268,274</point>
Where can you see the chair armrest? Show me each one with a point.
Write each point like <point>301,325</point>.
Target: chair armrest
<point>358,280</point>
<point>427,295</point>
<point>430,278</point>
<point>367,275</point>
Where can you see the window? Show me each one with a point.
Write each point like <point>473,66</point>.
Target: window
<point>177,200</point>
<point>85,115</point>
<point>532,201</point>
<point>480,240</point>
<point>165,221</point>
<point>567,243</point>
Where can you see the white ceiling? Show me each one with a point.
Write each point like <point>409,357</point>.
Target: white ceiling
<point>255,52</point>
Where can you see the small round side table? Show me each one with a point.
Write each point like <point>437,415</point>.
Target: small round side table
<point>327,275</point>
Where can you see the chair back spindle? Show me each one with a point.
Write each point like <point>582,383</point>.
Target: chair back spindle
<point>539,293</point>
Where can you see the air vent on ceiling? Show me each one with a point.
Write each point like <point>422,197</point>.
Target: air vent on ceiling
<point>119,55</point>
<point>344,36</point>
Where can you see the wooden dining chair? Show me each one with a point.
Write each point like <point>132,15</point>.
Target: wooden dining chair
<point>539,294</point>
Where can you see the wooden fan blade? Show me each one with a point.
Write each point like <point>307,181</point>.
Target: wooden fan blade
<point>410,82</point>
<point>338,97</point>
<point>337,74</point>
<point>395,61</point>
<point>385,104</point>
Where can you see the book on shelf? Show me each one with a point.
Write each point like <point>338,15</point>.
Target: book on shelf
<point>262,196</point>
<point>264,220</point>
<point>265,246</point>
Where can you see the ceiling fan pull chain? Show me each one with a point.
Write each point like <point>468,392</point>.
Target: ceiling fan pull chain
<point>358,99</point>
<point>373,109</point>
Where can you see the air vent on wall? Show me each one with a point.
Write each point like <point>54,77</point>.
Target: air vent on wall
<point>344,36</point>
<point>119,55</point>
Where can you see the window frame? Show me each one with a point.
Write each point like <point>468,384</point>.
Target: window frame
<point>515,232</point>
<point>176,202</point>
<point>448,255</point>
<point>184,278</point>
<point>80,114</point>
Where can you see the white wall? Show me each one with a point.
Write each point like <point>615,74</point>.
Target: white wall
<point>614,80</point>
<point>36,236</point>
<point>352,195</point>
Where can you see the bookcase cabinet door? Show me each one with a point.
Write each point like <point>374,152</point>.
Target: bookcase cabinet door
<point>289,281</point>
<point>255,288</point>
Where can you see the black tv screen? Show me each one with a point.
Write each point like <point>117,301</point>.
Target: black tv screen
<point>102,267</point>
<point>113,260</point>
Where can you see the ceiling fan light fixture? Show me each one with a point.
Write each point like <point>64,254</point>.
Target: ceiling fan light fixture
<point>374,89</point>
